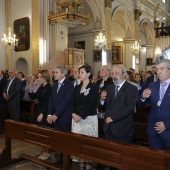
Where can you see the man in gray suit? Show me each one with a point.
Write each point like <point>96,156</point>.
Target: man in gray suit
<point>12,95</point>
<point>120,106</point>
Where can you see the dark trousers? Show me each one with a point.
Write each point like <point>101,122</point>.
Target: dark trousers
<point>157,142</point>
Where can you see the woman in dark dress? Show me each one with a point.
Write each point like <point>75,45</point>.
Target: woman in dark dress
<point>84,113</point>
<point>42,95</point>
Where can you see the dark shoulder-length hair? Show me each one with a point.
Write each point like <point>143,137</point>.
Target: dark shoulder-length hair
<point>88,69</point>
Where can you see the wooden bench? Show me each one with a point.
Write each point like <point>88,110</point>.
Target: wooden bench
<point>140,119</point>
<point>114,154</point>
<point>27,109</point>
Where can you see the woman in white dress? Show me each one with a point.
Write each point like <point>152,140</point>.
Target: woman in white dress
<point>84,114</point>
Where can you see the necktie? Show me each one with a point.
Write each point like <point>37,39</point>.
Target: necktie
<point>59,85</point>
<point>163,89</point>
<point>116,90</point>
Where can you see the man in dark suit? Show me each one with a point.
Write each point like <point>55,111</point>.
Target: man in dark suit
<point>12,95</point>
<point>153,77</point>
<point>59,110</point>
<point>3,82</point>
<point>158,96</point>
<point>21,76</point>
<point>120,106</point>
<point>105,77</point>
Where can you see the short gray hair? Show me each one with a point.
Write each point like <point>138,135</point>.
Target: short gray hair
<point>121,67</point>
<point>160,59</point>
<point>63,69</point>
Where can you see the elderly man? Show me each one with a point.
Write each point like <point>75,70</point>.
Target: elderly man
<point>158,96</point>
<point>12,95</point>
<point>105,77</point>
<point>120,105</point>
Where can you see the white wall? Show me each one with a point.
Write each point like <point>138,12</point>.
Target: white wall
<point>2,31</point>
<point>21,9</point>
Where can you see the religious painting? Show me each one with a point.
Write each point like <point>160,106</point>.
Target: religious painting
<point>149,61</point>
<point>117,53</point>
<point>22,32</point>
<point>97,55</point>
<point>79,44</point>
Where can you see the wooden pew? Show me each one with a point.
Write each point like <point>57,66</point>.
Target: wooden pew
<point>140,119</point>
<point>114,154</point>
<point>27,110</point>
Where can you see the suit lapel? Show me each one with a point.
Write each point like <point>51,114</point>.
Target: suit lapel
<point>122,89</point>
<point>62,86</point>
<point>167,93</point>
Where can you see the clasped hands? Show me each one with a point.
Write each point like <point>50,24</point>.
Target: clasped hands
<point>51,118</point>
<point>76,117</point>
<point>160,127</point>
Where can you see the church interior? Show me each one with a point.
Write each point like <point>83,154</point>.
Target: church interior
<point>41,34</point>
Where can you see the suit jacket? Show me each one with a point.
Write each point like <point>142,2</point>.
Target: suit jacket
<point>13,91</point>
<point>106,83</point>
<point>60,105</point>
<point>85,104</point>
<point>121,109</point>
<point>149,80</point>
<point>22,90</point>
<point>158,113</point>
<point>3,82</point>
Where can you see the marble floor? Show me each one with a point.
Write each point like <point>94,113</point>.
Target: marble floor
<point>19,147</point>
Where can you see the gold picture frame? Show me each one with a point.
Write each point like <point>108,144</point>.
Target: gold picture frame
<point>117,53</point>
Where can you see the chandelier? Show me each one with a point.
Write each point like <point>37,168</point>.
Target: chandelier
<point>100,40</point>
<point>158,51</point>
<point>136,47</point>
<point>69,12</point>
<point>8,39</point>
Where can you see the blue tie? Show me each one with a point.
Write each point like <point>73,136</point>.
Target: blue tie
<point>59,85</point>
<point>163,89</point>
<point>116,90</point>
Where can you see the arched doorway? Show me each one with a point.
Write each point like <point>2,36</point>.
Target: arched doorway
<point>22,65</point>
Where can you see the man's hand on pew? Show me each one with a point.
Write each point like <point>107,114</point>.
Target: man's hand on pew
<point>51,118</point>
<point>39,118</point>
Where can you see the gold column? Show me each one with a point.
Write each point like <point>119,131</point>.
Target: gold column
<point>35,35</point>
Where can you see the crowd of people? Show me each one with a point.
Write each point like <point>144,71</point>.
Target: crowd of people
<point>71,100</point>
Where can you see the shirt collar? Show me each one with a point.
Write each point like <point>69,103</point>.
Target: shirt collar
<point>61,80</point>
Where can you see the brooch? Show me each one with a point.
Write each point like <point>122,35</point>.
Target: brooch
<point>85,91</point>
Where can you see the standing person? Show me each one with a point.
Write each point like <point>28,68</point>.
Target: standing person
<point>77,80</point>
<point>105,77</point>
<point>84,113</point>
<point>120,105</point>
<point>21,76</point>
<point>153,77</point>
<point>43,95</point>
<point>12,95</point>
<point>143,75</point>
<point>3,82</point>
<point>157,94</point>
<point>30,81</point>
<point>59,109</point>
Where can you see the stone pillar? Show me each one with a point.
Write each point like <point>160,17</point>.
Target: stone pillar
<point>137,14</point>
<point>128,55</point>
<point>150,53</point>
